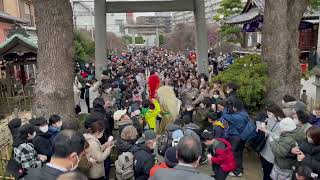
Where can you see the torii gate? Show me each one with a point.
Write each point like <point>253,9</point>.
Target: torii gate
<point>102,7</point>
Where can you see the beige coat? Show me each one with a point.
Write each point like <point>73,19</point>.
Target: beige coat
<point>96,152</point>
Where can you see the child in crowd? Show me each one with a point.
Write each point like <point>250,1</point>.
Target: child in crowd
<point>220,155</point>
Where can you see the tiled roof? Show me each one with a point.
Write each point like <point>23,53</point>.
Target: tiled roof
<point>32,41</point>
<point>257,13</point>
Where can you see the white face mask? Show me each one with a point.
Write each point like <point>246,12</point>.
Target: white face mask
<point>74,167</point>
<point>228,92</point>
<point>215,96</point>
<point>44,129</point>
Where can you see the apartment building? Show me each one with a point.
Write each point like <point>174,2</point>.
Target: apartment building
<point>14,12</point>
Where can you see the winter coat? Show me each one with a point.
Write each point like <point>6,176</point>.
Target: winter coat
<point>232,96</point>
<point>236,121</point>
<point>136,123</point>
<point>156,167</point>
<point>25,154</point>
<point>187,96</point>
<point>52,132</point>
<point>288,108</point>
<point>224,157</point>
<point>96,152</point>
<point>151,115</point>
<point>124,146</point>
<point>300,132</point>
<point>282,150</point>
<point>203,94</point>
<point>273,127</point>
<point>200,117</point>
<point>143,162</point>
<point>42,144</point>
<point>312,156</point>
<point>315,120</point>
<point>93,93</point>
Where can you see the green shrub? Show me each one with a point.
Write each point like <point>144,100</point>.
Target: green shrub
<point>250,74</point>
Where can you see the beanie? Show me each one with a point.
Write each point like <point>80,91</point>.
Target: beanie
<point>170,157</point>
<point>287,124</point>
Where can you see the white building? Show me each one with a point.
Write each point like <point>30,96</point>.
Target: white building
<point>83,16</point>
<point>211,6</point>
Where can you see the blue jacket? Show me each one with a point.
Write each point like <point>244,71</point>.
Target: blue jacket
<point>237,122</point>
<point>315,120</point>
<point>53,132</point>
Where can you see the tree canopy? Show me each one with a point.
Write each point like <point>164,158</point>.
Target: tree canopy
<point>229,8</point>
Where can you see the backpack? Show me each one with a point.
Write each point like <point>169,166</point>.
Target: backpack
<point>169,139</point>
<point>124,166</point>
<point>249,130</point>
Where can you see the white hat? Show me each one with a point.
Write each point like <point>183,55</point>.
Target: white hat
<point>287,124</point>
<point>118,114</point>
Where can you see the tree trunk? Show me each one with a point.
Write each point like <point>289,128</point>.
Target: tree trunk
<point>54,82</point>
<point>280,46</point>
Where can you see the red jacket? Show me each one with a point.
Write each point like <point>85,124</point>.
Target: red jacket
<point>224,157</point>
<point>154,169</point>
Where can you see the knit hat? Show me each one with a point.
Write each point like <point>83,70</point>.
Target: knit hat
<point>118,114</point>
<point>287,124</point>
<point>149,135</point>
<point>300,106</point>
<point>170,157</point>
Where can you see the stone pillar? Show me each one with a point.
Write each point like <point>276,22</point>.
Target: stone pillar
<point>201,37</point>
<point>100,36</point>
<point>316,72</point>
<point>318,46</point>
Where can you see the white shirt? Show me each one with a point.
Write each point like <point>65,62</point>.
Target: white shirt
<point>57,167</point>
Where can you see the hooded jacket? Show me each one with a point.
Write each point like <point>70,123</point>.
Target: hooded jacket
<point>124,146</point>
<point>143,161</point>
<point>224,157</point>
<point>282,150</point>
<point>236,121</point>
<point>151,115</point>
<point>42,144</point>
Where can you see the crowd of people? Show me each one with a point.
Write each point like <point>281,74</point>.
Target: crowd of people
<point>126,119</point>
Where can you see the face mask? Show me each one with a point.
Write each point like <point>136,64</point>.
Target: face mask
<point>202,80</point>
<point>228,92</point>
<point>310,140</point>
<point>189,86</point>
<point>314,112</point>
<point>215,96</point>
<point>74,167</point>
<point>44,129</point>
<point>296,121</point>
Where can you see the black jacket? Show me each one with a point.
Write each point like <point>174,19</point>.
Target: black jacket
<point>312,156</point>
<point>124,146</point>
<point>44,173</point>
<point>144,161</point>
<point>42,144</point>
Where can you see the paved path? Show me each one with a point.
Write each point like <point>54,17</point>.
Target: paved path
<point>252,168</point>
